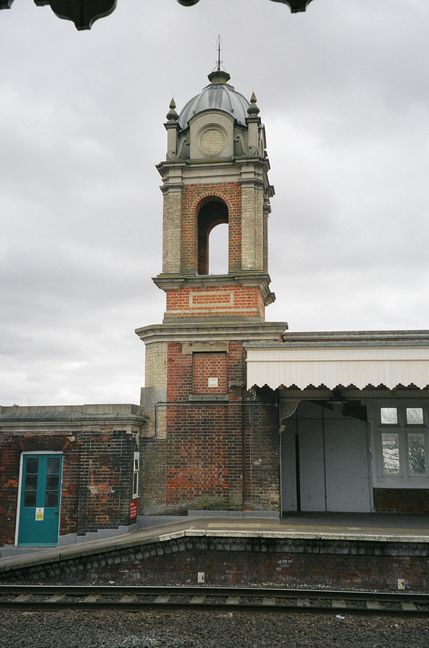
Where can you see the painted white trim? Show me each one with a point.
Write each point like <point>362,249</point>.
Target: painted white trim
<point>136,494</point>
<point>18,504</point>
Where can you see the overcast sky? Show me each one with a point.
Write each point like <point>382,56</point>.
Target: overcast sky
<point>343,91</point>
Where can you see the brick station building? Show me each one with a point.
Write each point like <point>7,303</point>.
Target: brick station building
<point>244,414</point>
<point>237,413</point>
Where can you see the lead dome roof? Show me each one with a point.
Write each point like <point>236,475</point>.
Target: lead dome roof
<point>218,95</point>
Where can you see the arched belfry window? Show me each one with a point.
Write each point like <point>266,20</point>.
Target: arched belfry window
<point>212,213</point>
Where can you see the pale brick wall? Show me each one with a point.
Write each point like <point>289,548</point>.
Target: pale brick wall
<point>171,258</point>
<point>156,365</point>
<point>252,200</point>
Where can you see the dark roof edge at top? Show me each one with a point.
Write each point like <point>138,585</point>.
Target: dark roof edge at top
<point>84,14</point>
<point>348,338</point>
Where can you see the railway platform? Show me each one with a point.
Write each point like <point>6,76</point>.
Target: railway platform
<point>386,551</point>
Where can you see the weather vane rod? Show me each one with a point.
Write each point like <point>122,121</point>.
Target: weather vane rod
<point>219,49</point>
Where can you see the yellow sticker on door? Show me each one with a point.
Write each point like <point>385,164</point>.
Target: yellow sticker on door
<point>40,514</point>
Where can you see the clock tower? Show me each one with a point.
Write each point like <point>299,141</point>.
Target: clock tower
<point>199,440</point>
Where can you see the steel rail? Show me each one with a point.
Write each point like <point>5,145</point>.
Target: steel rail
<point>272,598</point>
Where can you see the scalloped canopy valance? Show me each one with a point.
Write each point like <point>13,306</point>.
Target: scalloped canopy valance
<point>85,12</point>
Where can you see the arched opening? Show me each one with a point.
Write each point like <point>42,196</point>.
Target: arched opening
<point>212,213</point>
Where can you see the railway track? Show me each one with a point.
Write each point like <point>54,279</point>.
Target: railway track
<point>105,596</point>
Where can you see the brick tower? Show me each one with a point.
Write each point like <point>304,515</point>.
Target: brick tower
<point>200,440</point>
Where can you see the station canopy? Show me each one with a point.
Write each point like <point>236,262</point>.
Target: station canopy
<point>330,360</point>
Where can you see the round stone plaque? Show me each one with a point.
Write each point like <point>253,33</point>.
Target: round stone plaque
<point>212,141</point>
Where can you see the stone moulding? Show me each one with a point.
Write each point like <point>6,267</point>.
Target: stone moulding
<point>85,12</point>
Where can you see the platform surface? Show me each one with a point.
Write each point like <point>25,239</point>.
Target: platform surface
<point>306,526</point>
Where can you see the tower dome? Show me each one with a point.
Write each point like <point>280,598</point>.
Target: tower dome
<point>218,95</point>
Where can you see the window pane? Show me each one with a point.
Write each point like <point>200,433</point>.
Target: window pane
<point>32,465</point>
<point>53,466</point>
<point>416,453</point>
<point>31,483</point>
<point>30,498</point>
<point>389,415</point>
<point>390,444</point>
<point>30,490</point>
<point>52,482</point>
<point>51,498</point>
<point>415,415</point>
<point>135,483</point>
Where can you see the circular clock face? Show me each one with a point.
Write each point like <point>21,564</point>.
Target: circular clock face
<point>212,141</point>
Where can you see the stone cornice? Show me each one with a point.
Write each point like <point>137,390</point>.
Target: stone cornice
<point>222,330</point>
<point>241,160</point>
<point>70,416</point>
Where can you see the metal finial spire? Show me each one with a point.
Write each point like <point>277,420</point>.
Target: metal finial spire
<point>219,50</point>
<point>219,76</point>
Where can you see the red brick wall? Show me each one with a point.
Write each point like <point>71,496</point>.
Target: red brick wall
<point>9,476</point>
<point>204,456</point>
<point>216,455</point>
<point>227,301</point>
<point>105,479</point>
<point>246,562</point>
<point>401,500</point>
<point>261,453</point>
<point>11,448</point>
<point>96,480</point>
<point>204,440</point>
<point>210,365</point>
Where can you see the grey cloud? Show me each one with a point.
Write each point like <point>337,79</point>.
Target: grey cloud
<point>344,95</point>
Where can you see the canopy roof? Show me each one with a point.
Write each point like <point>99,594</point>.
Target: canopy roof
<point>387,359</point>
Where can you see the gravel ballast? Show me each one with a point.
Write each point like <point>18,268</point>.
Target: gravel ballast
<point>206,629</point>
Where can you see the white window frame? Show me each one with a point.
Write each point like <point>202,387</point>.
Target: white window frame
<point>136,474</point>
<point>404,479</point>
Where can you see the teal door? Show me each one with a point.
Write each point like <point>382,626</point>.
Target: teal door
<point>40,499</point>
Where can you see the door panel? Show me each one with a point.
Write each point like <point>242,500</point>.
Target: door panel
<point>347,469</point>
<point>333,462</point>
<point>40,499</point>
<point>311,460</point>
